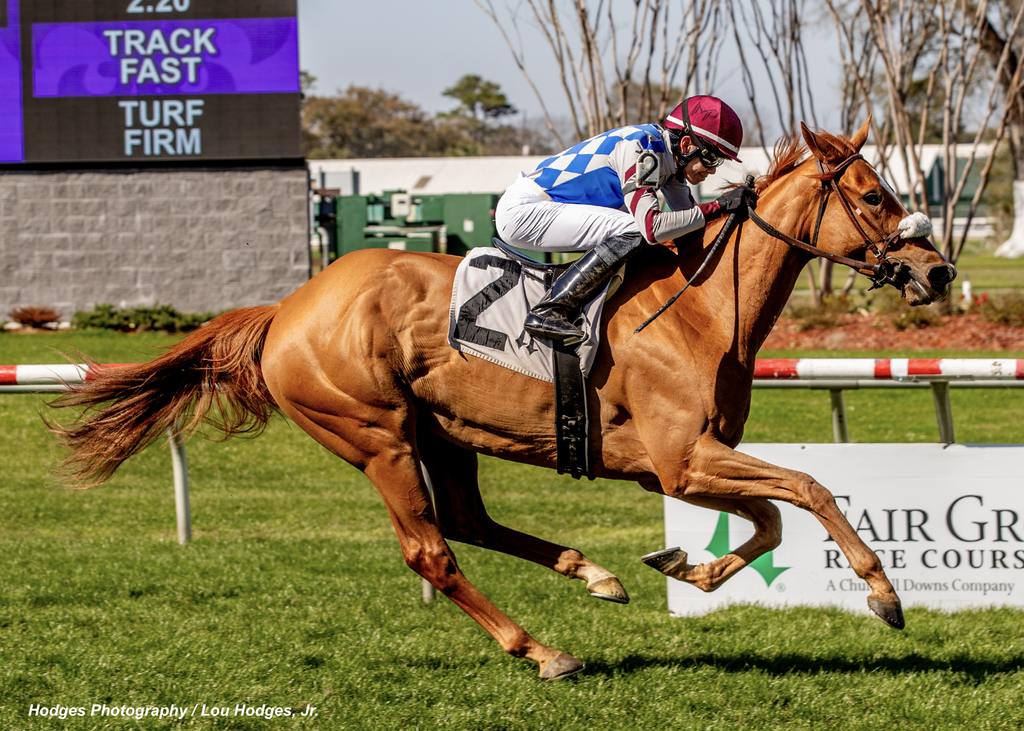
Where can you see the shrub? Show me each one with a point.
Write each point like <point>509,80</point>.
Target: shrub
<point>1007,309</point>
<point>821,320</point>
<point>34,316</point>
<point>134,319</point>
<point>828,314</point>
<point>887,301</point>
<point>915,317</point>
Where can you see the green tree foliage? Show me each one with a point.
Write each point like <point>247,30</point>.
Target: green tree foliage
<point>365,122</point>
<point>481,103</point>
<point>479,98</point>
<point>306,82</point>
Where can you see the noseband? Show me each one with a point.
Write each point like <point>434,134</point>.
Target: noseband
<point>885,271</point>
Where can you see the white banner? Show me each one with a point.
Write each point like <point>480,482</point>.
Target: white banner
<point>946,521</point>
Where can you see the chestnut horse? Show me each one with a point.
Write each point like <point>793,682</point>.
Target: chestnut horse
<point>359,358</point>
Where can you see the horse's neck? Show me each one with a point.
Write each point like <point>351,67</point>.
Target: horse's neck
<point>756,275</point>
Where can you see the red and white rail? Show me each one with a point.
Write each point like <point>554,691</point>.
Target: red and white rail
<point>841,374</point>
<point>890,369</point>
<point>55,377</point>
<point>45,378</point>
<point>37,378</point>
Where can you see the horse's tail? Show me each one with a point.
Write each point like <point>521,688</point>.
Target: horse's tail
<point>212,375</point>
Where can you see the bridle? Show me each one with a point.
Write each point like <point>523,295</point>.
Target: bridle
<point>886,270</point>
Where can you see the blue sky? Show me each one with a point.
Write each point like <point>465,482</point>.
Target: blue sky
<point>419,47</point>
<point>414,47</point>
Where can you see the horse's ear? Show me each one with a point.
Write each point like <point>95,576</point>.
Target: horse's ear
<point>861,135</point>
<point>820,146</point>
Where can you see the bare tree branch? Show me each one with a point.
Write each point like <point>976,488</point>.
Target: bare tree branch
<point>614,66</point>
<point>518,58</point>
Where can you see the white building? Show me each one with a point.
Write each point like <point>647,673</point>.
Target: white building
<point>438,175</point>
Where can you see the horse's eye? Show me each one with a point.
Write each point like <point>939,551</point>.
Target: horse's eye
<point>873,198</point>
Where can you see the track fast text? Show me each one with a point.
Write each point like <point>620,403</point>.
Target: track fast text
<point>159,57</point>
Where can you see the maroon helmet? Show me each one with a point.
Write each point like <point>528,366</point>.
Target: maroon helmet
<point>711,120</point>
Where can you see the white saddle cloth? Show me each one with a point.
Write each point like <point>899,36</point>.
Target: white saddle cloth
<point>491,297</point>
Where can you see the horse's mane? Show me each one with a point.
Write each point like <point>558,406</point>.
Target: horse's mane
<point>790,153</point>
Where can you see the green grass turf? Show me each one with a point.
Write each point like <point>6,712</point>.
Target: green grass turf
<point>294,591</point>
<point>991,272</point>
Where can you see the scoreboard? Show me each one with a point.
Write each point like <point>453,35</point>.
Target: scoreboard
<point>137,81</point>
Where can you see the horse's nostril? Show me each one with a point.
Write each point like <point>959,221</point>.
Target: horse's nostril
<point>940,276</point>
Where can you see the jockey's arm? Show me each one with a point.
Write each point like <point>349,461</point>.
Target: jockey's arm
<point>642,202</point>
<point>678,195</point>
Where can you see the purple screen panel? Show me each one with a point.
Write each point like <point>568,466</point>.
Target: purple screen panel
<point>11,141</point>
<point>245,56</point>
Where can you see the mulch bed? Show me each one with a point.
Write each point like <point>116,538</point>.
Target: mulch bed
<point>876,332</point>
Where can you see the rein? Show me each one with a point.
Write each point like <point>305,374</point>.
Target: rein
<point>722,236</point>
<point>885,271</point>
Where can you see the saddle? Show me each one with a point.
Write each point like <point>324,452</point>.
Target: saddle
<point>486,320</point>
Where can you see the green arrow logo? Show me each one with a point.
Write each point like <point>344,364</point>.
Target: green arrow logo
<point>718,546</point>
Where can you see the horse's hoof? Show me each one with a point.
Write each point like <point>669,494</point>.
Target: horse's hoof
<point>667,560</point>
<point>888,610</point>
<point>560,666</point>
<point>610,589</point>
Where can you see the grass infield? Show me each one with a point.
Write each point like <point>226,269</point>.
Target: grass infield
<point>294,593</point>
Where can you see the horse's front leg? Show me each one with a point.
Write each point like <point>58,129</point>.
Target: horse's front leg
<point>718,471</point>
<point>709,576</point>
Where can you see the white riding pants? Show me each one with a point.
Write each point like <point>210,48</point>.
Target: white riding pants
<point>527,217</point>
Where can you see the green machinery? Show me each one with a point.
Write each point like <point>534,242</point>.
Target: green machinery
<point>451,223</point>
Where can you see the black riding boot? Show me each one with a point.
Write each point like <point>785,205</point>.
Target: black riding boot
<point>554,316</point>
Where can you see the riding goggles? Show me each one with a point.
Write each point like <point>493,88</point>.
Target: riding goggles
<point>708,157</point>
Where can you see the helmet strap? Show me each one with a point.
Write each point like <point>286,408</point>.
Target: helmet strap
<point>683,158</point>
<point>698,143</point>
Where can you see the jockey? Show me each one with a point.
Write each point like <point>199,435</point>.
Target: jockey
<point>606,196</point>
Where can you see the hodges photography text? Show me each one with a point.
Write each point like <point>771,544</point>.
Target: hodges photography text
<point>196,710</point>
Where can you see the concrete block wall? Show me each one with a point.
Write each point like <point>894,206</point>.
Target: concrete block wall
<point>199,240</point>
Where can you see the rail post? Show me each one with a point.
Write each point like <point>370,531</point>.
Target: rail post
<point>427,589</point>
<point>179,468</point>
<point>839,430</point>
<point>943,411</point>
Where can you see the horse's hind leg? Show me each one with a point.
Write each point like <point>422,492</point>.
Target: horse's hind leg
<point>709,576</point>
<point>717,471</point>
<point>462,517</point>
<point>388,458</point>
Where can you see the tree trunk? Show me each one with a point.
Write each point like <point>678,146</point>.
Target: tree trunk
<point>992,41</point>
<point>1013,247</point>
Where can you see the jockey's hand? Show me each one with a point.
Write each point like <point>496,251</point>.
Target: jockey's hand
<point>733,201</point>
<point>737,199</point>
